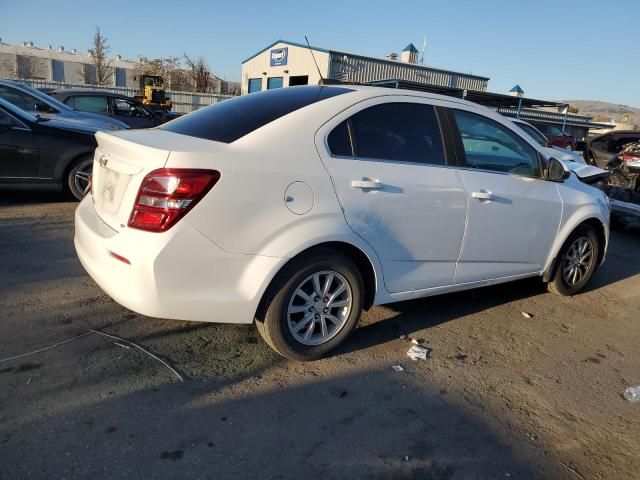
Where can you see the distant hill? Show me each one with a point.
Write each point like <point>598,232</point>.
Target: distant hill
<point>604,110</point>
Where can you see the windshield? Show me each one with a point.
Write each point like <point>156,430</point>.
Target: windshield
<point>22,96</point>
<point>533,133</point>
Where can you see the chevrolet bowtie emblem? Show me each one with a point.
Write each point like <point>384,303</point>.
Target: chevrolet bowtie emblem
<point>103,160</point>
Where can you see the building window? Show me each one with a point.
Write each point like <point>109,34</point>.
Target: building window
<point>274,82</point>
<point>121,77</point>
<point>298,80</point>
<point>57,71</point>
<point>255,85</point>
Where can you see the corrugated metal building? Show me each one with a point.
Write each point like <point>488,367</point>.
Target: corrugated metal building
<point>285,63</point>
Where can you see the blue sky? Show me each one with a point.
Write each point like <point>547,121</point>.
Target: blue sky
<point>553,49</point>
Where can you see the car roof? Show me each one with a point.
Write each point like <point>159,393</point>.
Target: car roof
<point>78,92</point>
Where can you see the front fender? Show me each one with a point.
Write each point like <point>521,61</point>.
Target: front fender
<point>575,214</point>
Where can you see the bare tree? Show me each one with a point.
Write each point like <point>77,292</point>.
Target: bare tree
<point>199,74</point>
<point>99,54</point>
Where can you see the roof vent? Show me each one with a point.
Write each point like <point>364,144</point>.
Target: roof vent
<point>61,48</point>
<point>49,47</point>
<point>74,51</point>
<point>392,56</point>
<point>409,54</point>
<point>27,44</point>
<point>118,57</point>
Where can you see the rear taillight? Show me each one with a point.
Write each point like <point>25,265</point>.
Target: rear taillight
<point>167,194</point>
<point>630,158</point>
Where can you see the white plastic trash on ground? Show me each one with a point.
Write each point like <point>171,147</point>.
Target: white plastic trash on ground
<point>632,394</point>
<point>418,353</point>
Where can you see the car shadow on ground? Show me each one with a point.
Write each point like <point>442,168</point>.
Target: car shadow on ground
<point>370,424</point>
<point>13,196</point>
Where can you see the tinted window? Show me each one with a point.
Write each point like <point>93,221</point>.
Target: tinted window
<point>489,145</point>
<point>620,141</point>
<point>339,142</point>
<point>404,132</point>
<point>232,119</point>
<point>125,108</point>
<point>94,104</point>
<point>7,120</point>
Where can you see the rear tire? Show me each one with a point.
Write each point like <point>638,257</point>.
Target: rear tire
<point>298,318</point>
<point>577,261</point>
<point>79,177</point>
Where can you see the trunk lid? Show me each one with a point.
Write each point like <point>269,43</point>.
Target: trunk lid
<point>120,163</point>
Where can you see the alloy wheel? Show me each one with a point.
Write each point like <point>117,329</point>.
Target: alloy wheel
<point>82,177</point>
<point>319,307</point>
<point>578,261</point>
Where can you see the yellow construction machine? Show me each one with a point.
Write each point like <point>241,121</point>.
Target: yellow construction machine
<point>152,92</point>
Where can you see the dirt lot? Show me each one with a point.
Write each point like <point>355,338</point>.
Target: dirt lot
<point>503,396</point>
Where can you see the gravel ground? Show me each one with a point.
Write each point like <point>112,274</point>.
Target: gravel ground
<point>502,396</point>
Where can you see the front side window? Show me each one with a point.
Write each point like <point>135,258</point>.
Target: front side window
<point>533,133</point>
<point>125,108</point>
<point>402,132</point>
<point>7,120</point>
<point>90,103</point>
<point>488,145</point>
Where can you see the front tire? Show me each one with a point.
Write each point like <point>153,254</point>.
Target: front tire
<point>577,261</point>
<point>79,177</point>
<point>312,305</point>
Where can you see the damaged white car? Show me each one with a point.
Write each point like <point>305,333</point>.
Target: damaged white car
<point>297,208</point>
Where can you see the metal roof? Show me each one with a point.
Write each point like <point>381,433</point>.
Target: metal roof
<point>488,99</point>
<point>517,89</point>
<point>338,52</point>
<point>410,48</point>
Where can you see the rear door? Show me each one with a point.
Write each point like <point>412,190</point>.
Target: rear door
<point>19,153</point>
<point>513,214</point>
<point>387,160</point>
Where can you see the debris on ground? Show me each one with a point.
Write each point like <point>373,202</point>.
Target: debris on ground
<point>397,368</point>
<point>527,315</point>
<point>122,345</point>
<point>632,394</point>
<point>418,341</point>
<point>418,353</point>
<point>406,458</point>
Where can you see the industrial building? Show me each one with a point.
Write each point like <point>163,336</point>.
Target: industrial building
<point>285,64</point>
<point>27,61</point>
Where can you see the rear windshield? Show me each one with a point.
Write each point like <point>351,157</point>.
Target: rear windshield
<point>232,119</point>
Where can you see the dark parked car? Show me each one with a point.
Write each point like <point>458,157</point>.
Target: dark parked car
<point>37,103</point>
<point>599,150</point>
<point>120,107</point>
<point>38,152</point>
<point>556,137</point>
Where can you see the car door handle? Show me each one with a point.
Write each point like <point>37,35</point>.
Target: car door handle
<point>366,184</point>
<point>482,195</point>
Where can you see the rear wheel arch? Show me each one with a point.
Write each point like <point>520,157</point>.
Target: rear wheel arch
<point>360,258</point>
<point>71,164</point>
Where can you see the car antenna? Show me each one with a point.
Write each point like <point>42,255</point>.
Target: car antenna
<point>314,60</point>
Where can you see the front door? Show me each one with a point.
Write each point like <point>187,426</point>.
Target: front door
<point>513,214</point>
<point>387,162</point>
<point>19,154</point>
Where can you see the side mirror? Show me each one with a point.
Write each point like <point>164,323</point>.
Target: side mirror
<point>556,172</point>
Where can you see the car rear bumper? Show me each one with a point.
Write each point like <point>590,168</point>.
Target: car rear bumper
<point>178,274</point>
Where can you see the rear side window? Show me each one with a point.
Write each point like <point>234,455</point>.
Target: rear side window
<point>90,103</point>
<point>402,132</point>
<point>232,119</point>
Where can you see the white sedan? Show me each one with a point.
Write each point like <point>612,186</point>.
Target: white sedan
<point>297,208</point>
